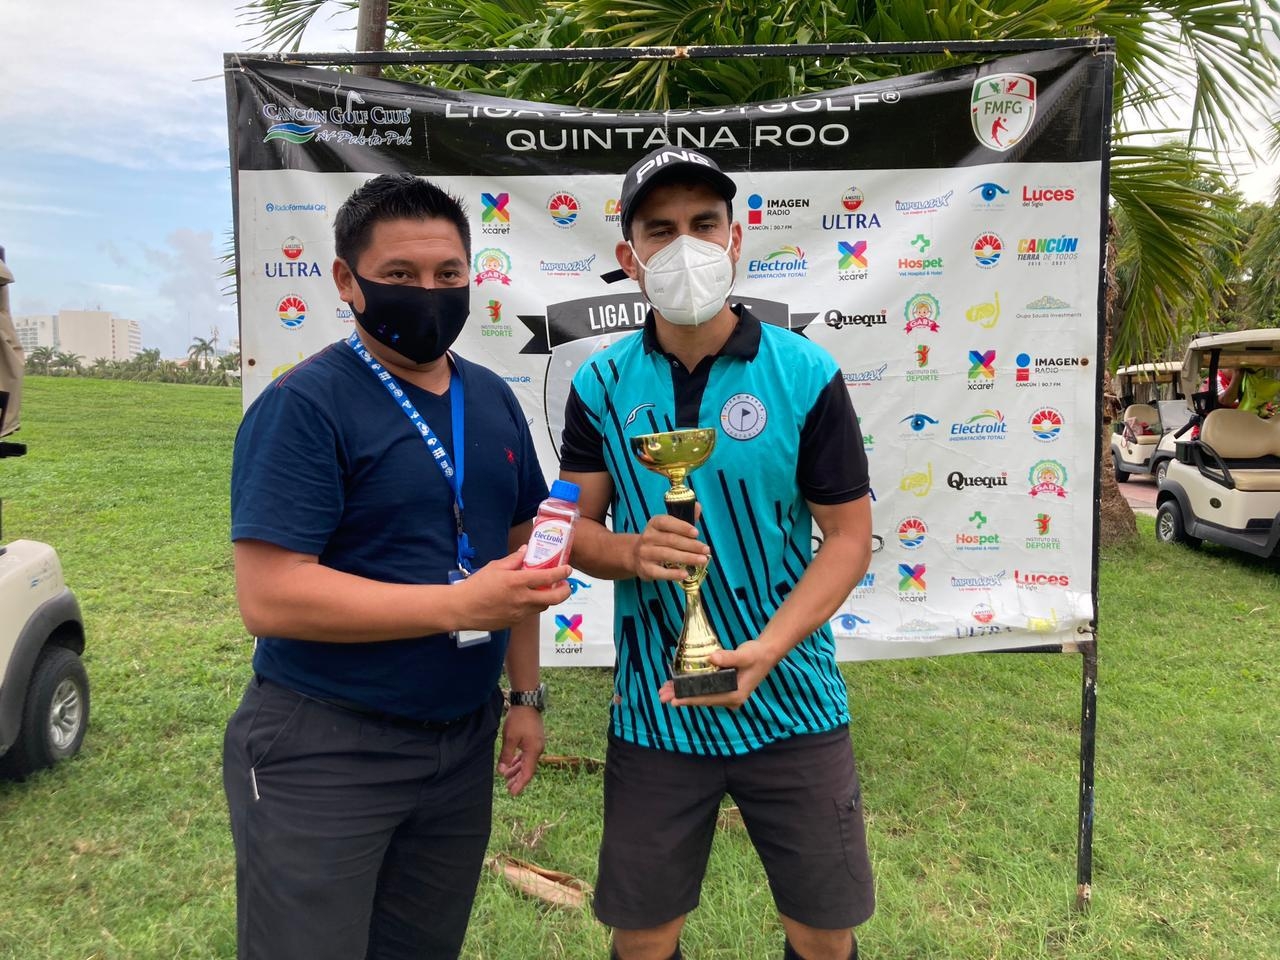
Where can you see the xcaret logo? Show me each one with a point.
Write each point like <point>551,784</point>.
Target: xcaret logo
<point>495,213</point>
<point>852,260</point>
<point>911,583</point>
<point>982,369</point>
<point>569,633</point>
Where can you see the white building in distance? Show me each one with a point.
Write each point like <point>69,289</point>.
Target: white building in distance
<point>87,333</point>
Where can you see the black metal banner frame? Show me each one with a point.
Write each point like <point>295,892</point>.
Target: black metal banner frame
<point>1101,46</point>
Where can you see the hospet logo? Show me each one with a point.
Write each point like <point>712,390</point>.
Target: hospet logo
<point>1002,108</point>
<point>923,311</point>
<point>492,264</point>
<point>1047,478</point>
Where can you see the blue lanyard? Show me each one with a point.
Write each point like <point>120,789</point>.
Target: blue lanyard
<point>453,476</point>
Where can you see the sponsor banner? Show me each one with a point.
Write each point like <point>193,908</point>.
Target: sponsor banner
<point>953,277</point>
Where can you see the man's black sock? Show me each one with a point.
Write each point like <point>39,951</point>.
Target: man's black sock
<point>789,952</point>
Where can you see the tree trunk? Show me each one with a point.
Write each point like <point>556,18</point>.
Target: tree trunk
<point>1116,522</point>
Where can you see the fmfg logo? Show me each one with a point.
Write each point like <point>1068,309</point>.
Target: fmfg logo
<point>1002,108</point>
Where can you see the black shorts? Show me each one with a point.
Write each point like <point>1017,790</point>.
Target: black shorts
<point>802,808</point>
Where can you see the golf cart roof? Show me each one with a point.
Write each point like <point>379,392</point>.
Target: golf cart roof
<point>1156,370</point>
<point>1240,348</point>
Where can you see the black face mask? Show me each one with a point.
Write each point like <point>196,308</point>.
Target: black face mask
<point>415,322</point>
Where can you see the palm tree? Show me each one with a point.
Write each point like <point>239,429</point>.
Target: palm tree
<point>1171,196</point>
<point>201,352</point>
<point>66,362</point>
<point>40,359</point>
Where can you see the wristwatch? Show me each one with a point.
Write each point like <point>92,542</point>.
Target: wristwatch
<point>536,698</point>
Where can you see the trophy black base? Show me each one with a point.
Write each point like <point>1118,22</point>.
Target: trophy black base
<point>705,684</point>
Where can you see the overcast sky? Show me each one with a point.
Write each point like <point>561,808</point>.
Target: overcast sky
<point>114,174</point>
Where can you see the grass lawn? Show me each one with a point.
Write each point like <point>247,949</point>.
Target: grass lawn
<point>968,763</point>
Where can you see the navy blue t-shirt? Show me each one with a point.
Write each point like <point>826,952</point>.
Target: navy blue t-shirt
<point>326,463</point>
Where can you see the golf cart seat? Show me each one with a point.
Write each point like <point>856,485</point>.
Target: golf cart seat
<point>1248,446</point>
<point>1141,424</point>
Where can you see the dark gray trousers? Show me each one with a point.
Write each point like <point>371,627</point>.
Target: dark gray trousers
<point>356,839</point>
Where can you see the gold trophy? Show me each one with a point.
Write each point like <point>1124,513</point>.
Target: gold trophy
<point>674,454</point>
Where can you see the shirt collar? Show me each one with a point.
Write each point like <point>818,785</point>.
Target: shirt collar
<point>743,342</point>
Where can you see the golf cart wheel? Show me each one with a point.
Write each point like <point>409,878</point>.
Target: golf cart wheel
<point>55,715</point>
<point>1169,525</point>
<point>1161,469</point>
<point>1121,476</point>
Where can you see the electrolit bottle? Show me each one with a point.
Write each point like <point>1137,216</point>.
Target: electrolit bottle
<point>552,536</point>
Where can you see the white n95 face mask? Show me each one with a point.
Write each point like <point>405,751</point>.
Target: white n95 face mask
<point>688,280</point>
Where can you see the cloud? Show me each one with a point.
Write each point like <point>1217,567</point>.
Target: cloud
<point>122,83</point>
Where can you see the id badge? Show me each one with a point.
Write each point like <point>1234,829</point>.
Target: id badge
<point>466,638</point>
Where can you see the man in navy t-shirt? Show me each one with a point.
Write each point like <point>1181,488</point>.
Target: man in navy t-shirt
<point>381,494</point>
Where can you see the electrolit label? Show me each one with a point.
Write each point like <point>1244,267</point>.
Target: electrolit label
<point>547,542</point>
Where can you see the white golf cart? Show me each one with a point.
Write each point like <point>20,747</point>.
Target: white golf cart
<point>1142,437</point>
<point>1223,484</point>
<point>44,690</point>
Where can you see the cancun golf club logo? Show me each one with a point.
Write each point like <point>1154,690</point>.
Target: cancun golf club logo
<point>912,532</point>
<point>563,208</point>
<point>1047,478</point>
<point>743,416</point>
<point>784,263</point>
<point>1046,424</point>
<point>495,213</point>
<point>492,264</point>
<point>987,248</point>
<point>1002,108</point>
<point>292,312</point>
<point>986,315</point>
<point>982,369</point>
<point>923,311</point>
<point>292,132</point>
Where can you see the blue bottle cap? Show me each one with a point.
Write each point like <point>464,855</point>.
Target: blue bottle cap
<point>564,490</point>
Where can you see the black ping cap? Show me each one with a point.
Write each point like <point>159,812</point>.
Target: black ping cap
<point>664,165</point>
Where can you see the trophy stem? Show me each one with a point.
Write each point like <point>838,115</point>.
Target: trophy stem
<point>697,638</point>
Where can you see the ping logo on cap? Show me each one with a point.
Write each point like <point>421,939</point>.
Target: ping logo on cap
<point>667,156</point>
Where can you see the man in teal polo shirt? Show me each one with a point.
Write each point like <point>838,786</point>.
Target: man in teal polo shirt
<point>788,454</point>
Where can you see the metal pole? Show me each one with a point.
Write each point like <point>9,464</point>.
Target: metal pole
<point>371,34</point>
<point>1088,732</point>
